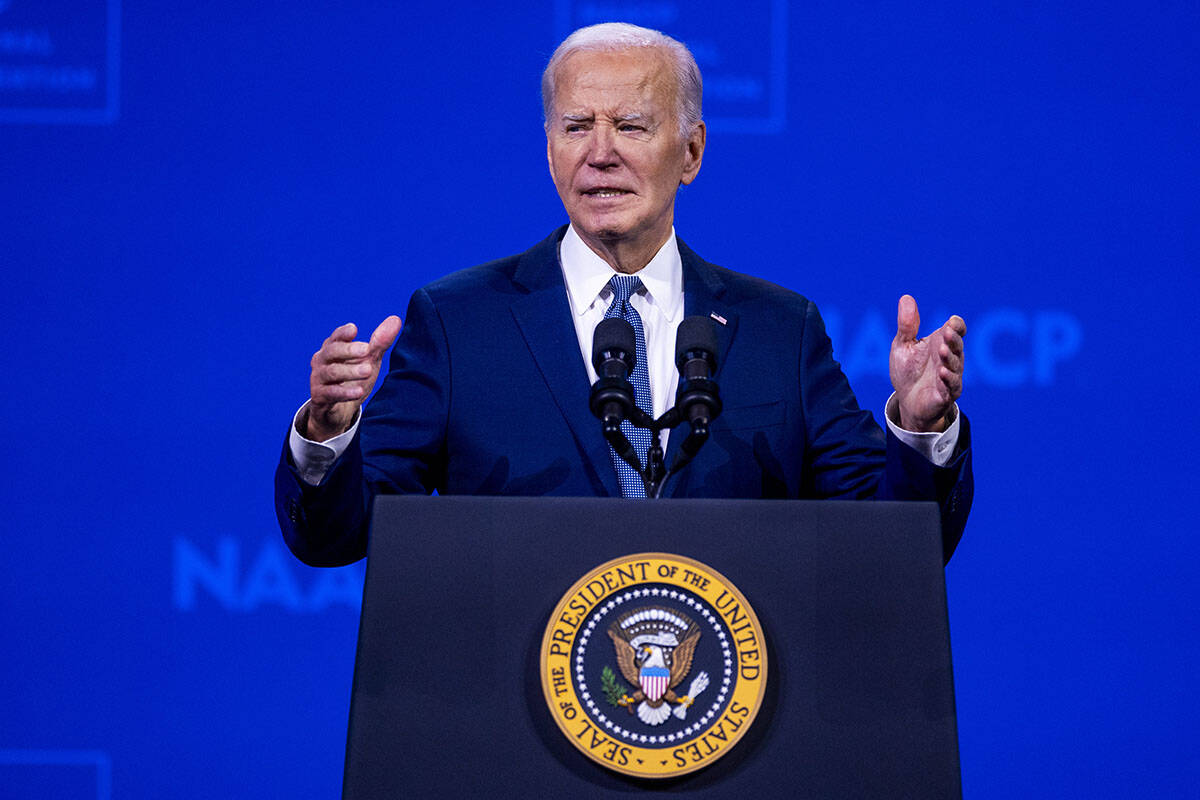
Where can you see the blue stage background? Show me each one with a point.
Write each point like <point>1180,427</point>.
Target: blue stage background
<point>193,195</point>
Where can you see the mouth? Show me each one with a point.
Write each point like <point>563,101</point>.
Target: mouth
<point>605,191</point>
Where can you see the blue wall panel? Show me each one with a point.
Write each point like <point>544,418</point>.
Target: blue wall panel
<point>179,232</point>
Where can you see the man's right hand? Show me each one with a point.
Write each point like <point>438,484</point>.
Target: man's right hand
<point>343,374</point>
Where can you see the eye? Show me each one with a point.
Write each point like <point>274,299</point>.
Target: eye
<point>629,127</point>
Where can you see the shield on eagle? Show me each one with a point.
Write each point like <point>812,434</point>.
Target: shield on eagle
<point>654,681</point>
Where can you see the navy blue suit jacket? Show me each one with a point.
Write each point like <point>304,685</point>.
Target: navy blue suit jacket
<point>487,394</point>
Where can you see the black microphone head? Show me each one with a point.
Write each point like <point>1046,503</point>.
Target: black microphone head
<point>696,334</point>
<point>614,335</point>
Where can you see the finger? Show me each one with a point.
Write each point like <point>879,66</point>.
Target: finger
<point>950,340</point>
<point>952,381</point>
<point>908,319</point>
<point>343,333</point>
<point>951,337</point>
<point>328,394</point>
<point>385,334</point>
<point>951,360</point>
<point>340,351</point>
<point>341,372</point>
<point>957,324</point>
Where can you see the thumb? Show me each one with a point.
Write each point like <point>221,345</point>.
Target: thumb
<point>908,319</point>
<point>384,335</point>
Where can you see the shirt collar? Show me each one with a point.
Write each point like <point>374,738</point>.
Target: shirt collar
<point>587,274</point>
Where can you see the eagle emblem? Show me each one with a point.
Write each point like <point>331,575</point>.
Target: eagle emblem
<point>654,647</point>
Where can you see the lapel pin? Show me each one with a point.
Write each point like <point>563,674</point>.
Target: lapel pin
<point>718,318</point>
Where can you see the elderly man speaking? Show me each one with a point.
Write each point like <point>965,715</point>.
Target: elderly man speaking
<point>487,389</point>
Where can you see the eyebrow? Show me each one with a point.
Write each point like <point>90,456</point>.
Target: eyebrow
<point>591,117</point>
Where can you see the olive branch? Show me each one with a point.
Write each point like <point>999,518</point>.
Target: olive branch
<point>613,688</point>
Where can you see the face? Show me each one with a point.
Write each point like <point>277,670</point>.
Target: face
<point>615,151</point>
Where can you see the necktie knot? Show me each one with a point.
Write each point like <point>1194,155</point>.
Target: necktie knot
<point>623,287</point>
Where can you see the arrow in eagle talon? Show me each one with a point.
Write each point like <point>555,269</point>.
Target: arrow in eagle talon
<point>699,684</point>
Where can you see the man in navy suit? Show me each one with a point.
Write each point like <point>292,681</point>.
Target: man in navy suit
<point>487,389</point>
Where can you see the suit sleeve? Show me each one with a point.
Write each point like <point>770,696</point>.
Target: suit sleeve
<point>849,456</point>
<point>399,449</point>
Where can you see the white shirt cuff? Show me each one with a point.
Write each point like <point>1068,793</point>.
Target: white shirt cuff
<point>937,447</point>
<point>313,459</point>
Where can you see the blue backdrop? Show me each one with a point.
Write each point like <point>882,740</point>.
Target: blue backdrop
<point>192,197</point>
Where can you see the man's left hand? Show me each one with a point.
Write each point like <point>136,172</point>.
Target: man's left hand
<point>926,373</point>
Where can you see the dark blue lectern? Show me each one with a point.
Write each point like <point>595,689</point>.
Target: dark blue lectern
<point>448,700</point>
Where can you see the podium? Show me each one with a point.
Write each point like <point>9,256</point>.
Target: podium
<point>448,698</point>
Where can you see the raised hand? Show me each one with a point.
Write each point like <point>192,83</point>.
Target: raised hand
<point>926,373</point>
<point>343,374</point>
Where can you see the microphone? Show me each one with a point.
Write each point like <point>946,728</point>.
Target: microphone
<point>614,354</point>
<point>614,348</point>
<point>698,398</point>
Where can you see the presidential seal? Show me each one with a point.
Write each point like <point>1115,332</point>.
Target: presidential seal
<point>653,665</point>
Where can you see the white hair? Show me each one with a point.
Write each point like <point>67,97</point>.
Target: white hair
<point>616,36</point>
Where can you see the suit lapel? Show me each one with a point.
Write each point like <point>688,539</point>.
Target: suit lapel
<point>543,316</point>
<point>703,296</point>
<point>703,292</point>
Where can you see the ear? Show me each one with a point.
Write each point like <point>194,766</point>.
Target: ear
<point>694,154</point>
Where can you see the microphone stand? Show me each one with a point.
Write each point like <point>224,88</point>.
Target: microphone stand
<point>652,474</point>
<point>655,474</point>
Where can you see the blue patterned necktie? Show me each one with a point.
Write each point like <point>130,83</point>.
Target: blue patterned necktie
<point>623,287</point>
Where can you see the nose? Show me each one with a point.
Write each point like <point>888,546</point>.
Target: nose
<point>602,152</point>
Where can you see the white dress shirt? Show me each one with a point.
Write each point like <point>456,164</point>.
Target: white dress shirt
<point>660,305</point>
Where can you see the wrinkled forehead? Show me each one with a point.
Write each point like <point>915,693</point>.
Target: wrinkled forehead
<point>617,82</point>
